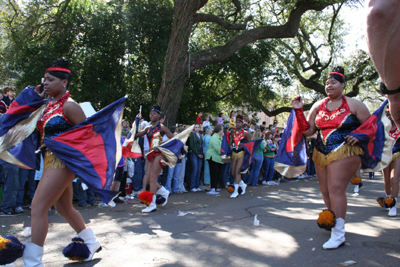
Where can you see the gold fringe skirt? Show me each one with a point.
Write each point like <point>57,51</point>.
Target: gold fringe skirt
<point>52,162</point>
<point>395,156</point>
<point>236,156</point>
<point>345,151</point>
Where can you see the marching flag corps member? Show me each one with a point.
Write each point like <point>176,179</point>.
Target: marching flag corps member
<point>346,134</point>
<point>72,146</point>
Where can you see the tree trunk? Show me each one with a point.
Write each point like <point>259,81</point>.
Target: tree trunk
<point>176,68</point>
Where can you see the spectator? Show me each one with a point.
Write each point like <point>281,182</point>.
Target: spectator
<point>206,122</point>
<point>172,184</point>
<point>8,97</point>
<point>139,163</point>
<point>269,159</point>
<point>3,106</point>
<point>24,175</point>
<point>256,161</point>
<point>220,120</point>
<point>206,141</point>
<point>10,188</point>
<point>125,128</point>
<point>86,196</point>
<point>232,120</point>
<point>213,157</point>
<point>198,118</point>
<point>196,157</point>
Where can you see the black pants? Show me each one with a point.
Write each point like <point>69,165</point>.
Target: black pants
<point>215,172</point>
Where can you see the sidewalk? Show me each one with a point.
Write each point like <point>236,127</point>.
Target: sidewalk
<point>220,232</point>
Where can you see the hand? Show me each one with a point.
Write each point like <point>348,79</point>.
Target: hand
<point>351,140</point>
<point>156,150</point>
<point>297,102</point>
<point>200,156</point>
<point>139,115</point>
<point>37,90</point>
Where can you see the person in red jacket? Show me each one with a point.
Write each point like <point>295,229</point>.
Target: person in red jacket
<point>199,120</point>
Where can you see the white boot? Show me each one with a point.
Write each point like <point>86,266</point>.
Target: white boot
<point>152,206</point>
<point>235,193</point>
<point>337,236</point>
<point>165,193</point>
<point>32,255</point>
<point>243,187</point>
<point>90,241</point>
<point>393,210</point>
<point>356,188</point>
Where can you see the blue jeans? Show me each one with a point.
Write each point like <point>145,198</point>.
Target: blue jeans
<point>84,196</point>
<point>24,174</point>
<point>173,178</point>
<point>181,175</point>
<point>10,189</point>
<point>227,173</point>
<point>268,166</point>
<point>256,163</point>
<point>196,169</point>
<point>138,175</point>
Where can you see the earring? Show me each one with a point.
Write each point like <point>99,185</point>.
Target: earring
<point>64,86</point>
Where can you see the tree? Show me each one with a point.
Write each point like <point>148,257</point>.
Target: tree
<point>178,65</point>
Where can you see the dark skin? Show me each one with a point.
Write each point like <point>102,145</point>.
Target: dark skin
<point>153,168</point>
<point>55,187</point>
<point>237,164</point>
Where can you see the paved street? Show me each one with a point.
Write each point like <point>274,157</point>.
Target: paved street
<point>219,231</point>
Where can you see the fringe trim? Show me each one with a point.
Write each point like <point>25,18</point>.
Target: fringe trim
<point>395,156</point>
<point>52,162</point>
<point>345,151</point>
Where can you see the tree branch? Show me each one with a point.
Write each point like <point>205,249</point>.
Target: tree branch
<point>201,17</point>
<point>288,30</point>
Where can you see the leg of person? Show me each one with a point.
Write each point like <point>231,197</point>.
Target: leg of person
<point>175,178</point>
<point>154,186</point>
<point>10,189</point>
<point>169,179</point>
<point>137,178</point>
<point>182,176</point>
<point>386,179</point>
<point>271,171</point>
<point>193,176</point>
<point>207,178</point>
<point>74,218</point>
<point>31,183</point>
<point>214,175</point>
<point>235,193</point>
<point>23,176</point>
<point>383,38</point>
<point>146,180</point>
<point>265,170</point>
<point>395,185</point>
<point>199,168</point>
<point>339,175</point>
<point>239,180</point>
<point>91,199</point>
<point>78,191</point>
<point>322,175</point>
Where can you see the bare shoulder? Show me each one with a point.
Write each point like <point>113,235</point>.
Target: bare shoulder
<point>73,111</point>
<point>355,104</point>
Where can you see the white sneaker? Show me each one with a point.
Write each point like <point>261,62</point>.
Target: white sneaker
<point>199,189</point>
<point>19,210</point>
<point>356,188</point>
<point>212,192</point>
<point>392,212</point>
<point>102,204</point>
<point>264,183</point>
<point>270,183</point>
<point>193,190</point>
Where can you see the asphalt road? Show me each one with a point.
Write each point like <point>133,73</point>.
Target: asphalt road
<point>220,231</point>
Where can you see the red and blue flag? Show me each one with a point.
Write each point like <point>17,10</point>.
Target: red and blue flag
<point>250,148</point>
<point>291,160</point>
<point>375,141</point>
<point>92,149</point>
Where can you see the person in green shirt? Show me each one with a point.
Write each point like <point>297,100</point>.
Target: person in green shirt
<point>213,157</point>
<point>269,159</point>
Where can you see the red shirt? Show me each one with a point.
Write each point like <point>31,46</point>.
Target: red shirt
<point>199,120</point>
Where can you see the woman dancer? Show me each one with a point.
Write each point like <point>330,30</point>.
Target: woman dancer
<point>239,135</point>
<point>55,187</point>
<point>391,173</point>
<point>336,153</point>
<point>153,168</point>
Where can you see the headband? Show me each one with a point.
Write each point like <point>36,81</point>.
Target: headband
<point>58,69</point>
<point>239,119</point>
<point>338,73</point>
<point>156,110</point>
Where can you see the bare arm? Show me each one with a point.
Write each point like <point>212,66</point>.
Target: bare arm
<point>247,136</point>
<point>74,112</point>
<point>142,132</point>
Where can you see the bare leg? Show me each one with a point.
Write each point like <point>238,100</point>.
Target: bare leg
<point>238,166</point>
<point>146,175</point>
<point>395,178</point>
<point>233,169</point>
<point>386,178</point>
<point>339,175</point>
<point>322,176</point>
<point>115,186</point>
<point>154,173</point>
<point>71,215</point>
<point>383,38</point>
<point>51,187</point>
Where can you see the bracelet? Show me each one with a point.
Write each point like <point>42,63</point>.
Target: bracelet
<point>385,91</point>
<point>301,120</point>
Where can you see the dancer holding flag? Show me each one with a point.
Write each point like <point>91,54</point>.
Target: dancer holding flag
<point>73,146</point>
<point>238,136</point>
<point>154,159</point>
<point>336,153</point>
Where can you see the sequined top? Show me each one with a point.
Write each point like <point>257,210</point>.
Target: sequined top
<point>395,134</point>
<point>53,121</point>
<point>238,137</point>
<point>334,125</point>
<point>154,136</point>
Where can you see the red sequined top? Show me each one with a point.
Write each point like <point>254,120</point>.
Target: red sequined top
<point>237,137</point>
<point>53,121</point>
